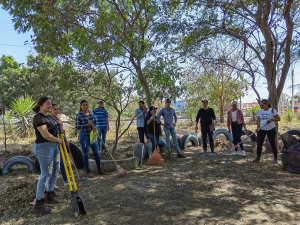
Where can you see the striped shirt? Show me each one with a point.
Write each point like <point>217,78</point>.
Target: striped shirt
<point>82,120</point>
<point>101,116</point>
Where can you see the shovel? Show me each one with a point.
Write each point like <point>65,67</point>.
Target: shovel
<point>76,200</point>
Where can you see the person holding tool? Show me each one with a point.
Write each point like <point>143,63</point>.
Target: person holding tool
<point>46,149</point>
<point>140,121</point>
<point>266,126</point>
<point>102,123</point>
<point>150,119</point>
<point>207,120</point>
<point>235,121</point>
<point>54,113</point>
<point>86,122</point>
<point>169,128</point>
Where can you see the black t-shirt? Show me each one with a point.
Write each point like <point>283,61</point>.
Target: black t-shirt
<point>40,119</point>
<point>150,128</point>
<point>207,116</point>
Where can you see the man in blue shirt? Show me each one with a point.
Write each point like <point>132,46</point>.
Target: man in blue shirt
<point>140,121</point>
<point>102,123</point>
<point>169,128</point>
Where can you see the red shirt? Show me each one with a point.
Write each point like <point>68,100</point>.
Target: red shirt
<point>240,118</point>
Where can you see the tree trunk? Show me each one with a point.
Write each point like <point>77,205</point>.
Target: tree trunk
<point>221,106</point>
<point>118,123</point>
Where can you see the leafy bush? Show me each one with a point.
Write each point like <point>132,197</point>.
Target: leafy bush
<point>191,112</point>
<point>253,111</point>
<point>8,118</point>
<point>289,116</point>
<point>22,111</point>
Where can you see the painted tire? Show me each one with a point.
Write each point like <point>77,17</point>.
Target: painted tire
<point>294,132</point>
<point>161,144</point>
<point>139,151</point>
<point>225,132</point>
<point>253,137</point>
<point>178,140</point>
<point>77,156</point>
<point>17,160</point>
<point>187,138</point>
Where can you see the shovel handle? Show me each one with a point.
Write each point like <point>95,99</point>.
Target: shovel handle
<point>69,164</point>
<point>65,165</point>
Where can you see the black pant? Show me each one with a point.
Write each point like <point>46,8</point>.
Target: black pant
<point>237,133</point>
<point>142,131</point>
<point>206,131</point>
<point>271,134</point>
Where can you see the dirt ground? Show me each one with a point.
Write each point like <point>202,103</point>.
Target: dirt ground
<point>200,189</point>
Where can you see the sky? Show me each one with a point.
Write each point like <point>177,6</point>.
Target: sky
<point>12,43</point>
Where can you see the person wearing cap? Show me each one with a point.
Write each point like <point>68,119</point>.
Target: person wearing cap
<point>235,122</point>
<point>102,123</point>
<point>140,114</point>
<point>207,118</point>
<point>150,127</point>
<point>266,126</point>
<point>169,127</point>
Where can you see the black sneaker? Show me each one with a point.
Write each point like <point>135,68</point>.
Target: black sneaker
<point>256,160</point>
<point>50,198</point>
<point>40,207</point>
<point>180,155</point>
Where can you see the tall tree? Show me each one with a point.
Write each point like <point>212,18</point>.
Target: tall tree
<point>267,33</point>
<point>120,33</point>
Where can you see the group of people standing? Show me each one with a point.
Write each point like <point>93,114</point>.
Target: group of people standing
<point>47,125</point>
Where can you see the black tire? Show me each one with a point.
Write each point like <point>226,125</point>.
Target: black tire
<point>0,171</point>
<point>139,151</point>
<point>77,156</point>
<point>172,144</point>
<point>17,160</point>
<point>253,137</point>
<point>225,132</point>
<point>294,132</point>
<point>187,138</point>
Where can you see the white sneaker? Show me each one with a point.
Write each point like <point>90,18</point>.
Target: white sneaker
<point>55,186</point>
<point>235,153</point>
<point>243,153</point>
<point>66,183</point>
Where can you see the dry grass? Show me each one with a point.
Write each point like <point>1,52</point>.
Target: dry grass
<point>200,189</point>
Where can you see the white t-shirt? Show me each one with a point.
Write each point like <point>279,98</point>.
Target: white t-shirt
<point>234,115</point>
<point>265,116</point>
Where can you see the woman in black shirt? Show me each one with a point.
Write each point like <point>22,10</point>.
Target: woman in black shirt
<point>46,149</point>
<point>150,127</point>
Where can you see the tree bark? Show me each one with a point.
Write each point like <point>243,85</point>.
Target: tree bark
<point>118,123</point>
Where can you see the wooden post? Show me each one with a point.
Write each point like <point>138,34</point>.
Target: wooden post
<point>3,119</point>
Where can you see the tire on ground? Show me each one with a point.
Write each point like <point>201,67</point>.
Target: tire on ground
<point>187,138</point>
<point>17,160</point>
<point>225,132</point>
<point>172,144</point>
<point>253,137</point>
<point>161,144</point>
<point>139,151</point>
<point>294,132</point>
<point>77,156</point>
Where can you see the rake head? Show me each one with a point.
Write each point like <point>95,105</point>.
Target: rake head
<point>121,171</point>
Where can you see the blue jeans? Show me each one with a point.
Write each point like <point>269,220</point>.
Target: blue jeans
<point>151,137</point>
<point>237,133</point>
<point>102,133</point>
<point>84,140</point>
<point>142,131</point>
<point>174,137</point>
<point>48,155</point>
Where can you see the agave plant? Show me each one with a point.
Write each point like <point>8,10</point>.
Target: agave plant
<point>22,110</point>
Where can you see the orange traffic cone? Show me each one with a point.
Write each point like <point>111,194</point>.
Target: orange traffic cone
<point>155,159</point>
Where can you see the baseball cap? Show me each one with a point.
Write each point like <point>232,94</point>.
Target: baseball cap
<point>205,101</point>
<point>168,100</point>
<point>151,108</point>
<point>234,103</point>
<point>100,102</point>
<point>264,101</point>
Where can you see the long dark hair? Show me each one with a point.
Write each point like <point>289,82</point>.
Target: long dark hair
<point>80,109</point>
<point>39,103</point>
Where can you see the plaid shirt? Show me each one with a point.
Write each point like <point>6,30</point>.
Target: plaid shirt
<point>82,120</point>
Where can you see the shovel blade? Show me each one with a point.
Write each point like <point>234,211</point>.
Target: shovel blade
<point>80,204</point>
<point>75,208</point>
